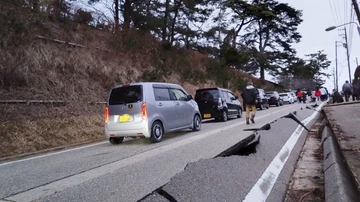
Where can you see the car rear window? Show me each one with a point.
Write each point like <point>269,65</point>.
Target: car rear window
<point>207,94</point>
<point>125,95</point>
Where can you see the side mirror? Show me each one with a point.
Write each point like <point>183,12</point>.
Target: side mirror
<point>189,97</point>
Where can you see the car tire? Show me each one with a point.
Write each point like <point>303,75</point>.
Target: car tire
<point>116,140</point>
<point>261,107</point>
<point>157,132</point>
<point>196,123</point>
<point>224,117</point>
<point>239,113</point>
<point>278,103</point>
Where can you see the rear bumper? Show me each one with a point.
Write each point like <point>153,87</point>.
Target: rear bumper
<point>273,102</point>
<point>213,114</point>
<point>139,132</point>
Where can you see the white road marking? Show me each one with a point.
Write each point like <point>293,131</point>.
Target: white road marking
<point>54,153</point>
<point>105,142</point>
<point>262,188</point>
<point>74,180</point>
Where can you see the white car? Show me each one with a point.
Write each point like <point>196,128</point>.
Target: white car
<point>287,98</point>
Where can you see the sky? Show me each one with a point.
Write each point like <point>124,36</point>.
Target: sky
<point>317,16</point>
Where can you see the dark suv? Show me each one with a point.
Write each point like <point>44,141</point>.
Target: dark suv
<point>218,103</point>
<point>262,100</point>
<point>274,98</point>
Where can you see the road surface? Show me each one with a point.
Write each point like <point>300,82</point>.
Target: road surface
<point>130,171</point>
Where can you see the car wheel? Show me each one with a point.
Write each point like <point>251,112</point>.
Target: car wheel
<point>116,140</point>
<point>261,107</point>
<point>196,123</point>
<point>224,116</point>
<point>157,132</point>
<point>239,113</point>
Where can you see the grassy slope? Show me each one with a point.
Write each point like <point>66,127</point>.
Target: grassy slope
<point>41,69</point>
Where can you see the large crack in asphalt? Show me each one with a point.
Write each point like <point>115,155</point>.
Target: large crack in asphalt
<point>244,147</point>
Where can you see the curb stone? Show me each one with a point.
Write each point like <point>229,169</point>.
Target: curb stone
<point>339,182</point>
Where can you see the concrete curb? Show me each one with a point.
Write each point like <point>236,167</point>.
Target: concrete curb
<point>339,182</point>
<point>343,103</point>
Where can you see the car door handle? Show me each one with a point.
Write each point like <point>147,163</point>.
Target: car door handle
<point>160,104</point>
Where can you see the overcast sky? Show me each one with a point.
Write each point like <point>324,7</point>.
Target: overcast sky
<point>317,16</point>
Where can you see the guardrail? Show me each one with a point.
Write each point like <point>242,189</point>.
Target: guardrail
<point>53,102</point>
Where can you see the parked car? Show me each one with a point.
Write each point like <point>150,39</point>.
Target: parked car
<point>262,100</point>
<point>274,98</point>
<point>287,98</point>
<point>218,103</point>
<point>149,110</point>
<point>293,94</point>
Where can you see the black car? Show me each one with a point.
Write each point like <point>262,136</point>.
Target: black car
<point>274,98</point>
<point>262,100</point>
<point>218,103</point>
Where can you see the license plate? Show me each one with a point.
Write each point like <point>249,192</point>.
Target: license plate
<point>207,115</point>
<point>124,118</point>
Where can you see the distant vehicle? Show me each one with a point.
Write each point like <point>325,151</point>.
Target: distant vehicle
<point>218,103</point>
<point>262,100</point>
<point>293,94</point>
<point>274,98</point>
<point>149,110</point>
<point>287,98</point>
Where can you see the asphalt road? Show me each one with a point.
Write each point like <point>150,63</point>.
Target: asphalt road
<point>128,172</point>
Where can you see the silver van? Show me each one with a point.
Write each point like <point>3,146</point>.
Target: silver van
<point>149,110</point>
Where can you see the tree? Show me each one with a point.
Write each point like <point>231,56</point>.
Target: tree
<point>273,29</point>
<point>305,73</point>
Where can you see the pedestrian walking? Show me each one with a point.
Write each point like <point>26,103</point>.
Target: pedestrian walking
<point>299,95</point>
<point>323,94</point>
<point>304,97</point>
<point>347,88</point>
<point>317,94</point>
<point>355,91</point>
<point>249,96</point>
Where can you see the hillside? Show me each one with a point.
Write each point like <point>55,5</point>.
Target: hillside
<point>43,69</point>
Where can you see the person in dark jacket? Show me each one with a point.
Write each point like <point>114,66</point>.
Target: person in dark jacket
<point>249,96</point>
<point>337,98</point>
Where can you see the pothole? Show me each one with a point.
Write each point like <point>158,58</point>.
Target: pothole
<point>243,148</point>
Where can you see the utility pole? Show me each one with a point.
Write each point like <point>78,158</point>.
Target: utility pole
<point>336,66</point>
<point>347,54</point>
<point>356,8</point>
<point>335,87</point>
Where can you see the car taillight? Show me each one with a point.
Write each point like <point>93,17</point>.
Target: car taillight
<point>143,111</point>
<point>219,103</point>
<point>106,115</point>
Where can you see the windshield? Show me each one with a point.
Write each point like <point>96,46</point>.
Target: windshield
<point>283,95</point>
<point>207,94</point>
<point>125,95</point>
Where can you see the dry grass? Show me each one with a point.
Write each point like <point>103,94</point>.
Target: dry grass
<point>29,136</point>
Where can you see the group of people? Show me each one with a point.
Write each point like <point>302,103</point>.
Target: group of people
<point>320,94</point>
<point>250,97</point>
<point>348,90</point>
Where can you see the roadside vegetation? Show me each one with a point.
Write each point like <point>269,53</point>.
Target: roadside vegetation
<point>191,43</point>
